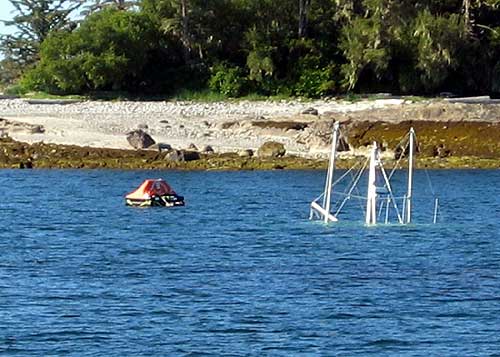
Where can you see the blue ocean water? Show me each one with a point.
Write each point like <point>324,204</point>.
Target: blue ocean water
<point>241,271</point>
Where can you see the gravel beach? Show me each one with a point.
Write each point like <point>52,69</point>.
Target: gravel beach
<point>179,124</point>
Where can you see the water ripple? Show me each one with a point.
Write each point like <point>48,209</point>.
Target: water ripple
<point>233,275</point>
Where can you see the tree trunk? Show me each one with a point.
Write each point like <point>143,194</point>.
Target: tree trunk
<point>303,12</point>
<point>466,10</point>
<point>185,36</point>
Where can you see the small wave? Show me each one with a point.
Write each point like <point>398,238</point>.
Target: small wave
<point>131,313</point>
<point>56,336</point>
<point>70,316</point>
<point>195,353</point>
<point>342,316</point>
<point>455,315</point>
<point>135,275</point>
<point>234,330</point>
<point>388,342</point>
<point>15,351</point>
<point>279,348</point>
<point>455,300</point>
<point>253,321</point>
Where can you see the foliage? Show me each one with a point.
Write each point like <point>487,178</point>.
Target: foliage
<point>366,43</point>
<point>311,77</point>
<point>10,71</point>
<point>201,27</point>
<point>314,83</point>
<point>260,57</point>
<point>15,90</point>
<point>226,80</point>
<point>438,40</point>
<point>97,5</point>
<point>108,51</point>
<point>232,48</point>
<point>34,20</point>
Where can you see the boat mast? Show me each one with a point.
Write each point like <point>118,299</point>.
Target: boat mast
<point>331,168</point>
<point>371,197</point>
<point>410,177</point>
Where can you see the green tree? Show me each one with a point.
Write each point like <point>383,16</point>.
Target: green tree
<point>438,40</point>
<point>260,57</point>
<point>176,18</point>
<point>366,41</point>
<point>109,51</point>
<point>34,21</point>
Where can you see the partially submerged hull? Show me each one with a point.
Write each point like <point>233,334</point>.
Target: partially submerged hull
<point>157,201</point>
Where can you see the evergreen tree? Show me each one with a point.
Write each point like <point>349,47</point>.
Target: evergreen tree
<point>33,20</point>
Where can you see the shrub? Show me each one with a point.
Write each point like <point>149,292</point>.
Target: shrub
<point>315,83</point>
<point>228,81</point>
<point>15,89</point>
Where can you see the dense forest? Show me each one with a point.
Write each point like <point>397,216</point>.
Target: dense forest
<point>309,48</point>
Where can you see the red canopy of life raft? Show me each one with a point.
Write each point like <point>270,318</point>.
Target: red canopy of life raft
<point>150,188</point>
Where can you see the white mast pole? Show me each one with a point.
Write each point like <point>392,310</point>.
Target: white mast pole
<point>410,177</point>
<point>436,203</point>
<point>371,197</point>
<point>331,168</point>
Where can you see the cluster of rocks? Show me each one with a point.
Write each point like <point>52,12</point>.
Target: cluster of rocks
<point>7,126</point>
<point>139,139</point>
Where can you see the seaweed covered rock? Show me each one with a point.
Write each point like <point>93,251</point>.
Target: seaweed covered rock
<point>174,156</point>
<point>245,153</point>
<point>160,147</point>
<point>139,139</point>
<point>191,155</point>
<point>271,149</point>
<point>441,151</point>
<point>182,155</point>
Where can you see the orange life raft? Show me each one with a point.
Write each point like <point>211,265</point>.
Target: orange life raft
<point>154,192</point>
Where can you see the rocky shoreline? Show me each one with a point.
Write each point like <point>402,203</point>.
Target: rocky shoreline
<point>224,136</point>
<point>14,154</point>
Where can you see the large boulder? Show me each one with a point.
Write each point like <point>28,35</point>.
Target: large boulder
<point>207,149</point>
<point>182,155</point>
<point>310,111</point>
<point>245,153</point>
<point>317,138</point>
<point>191,155</point>
<point>271,149</point>
<point>174,156</point>
<point>139,139</point>
<point>37,129</point>
<point>160,147</point>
